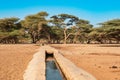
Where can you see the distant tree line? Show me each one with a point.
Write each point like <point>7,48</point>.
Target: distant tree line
<point>61,28</point>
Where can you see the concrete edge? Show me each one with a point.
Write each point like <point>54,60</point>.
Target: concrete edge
<point>36,67</point>
<point>70,70</point>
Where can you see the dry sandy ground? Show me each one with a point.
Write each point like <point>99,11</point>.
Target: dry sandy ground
<point>14,60</point>
<point>101,62</point>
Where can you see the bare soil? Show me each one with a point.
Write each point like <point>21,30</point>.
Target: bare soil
<point>101,61</point>
<point>14,60</point>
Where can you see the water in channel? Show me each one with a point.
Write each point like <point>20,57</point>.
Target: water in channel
<point>52,72</point>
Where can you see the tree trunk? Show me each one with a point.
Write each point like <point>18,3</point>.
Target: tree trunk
<point>110,42</point>
<point>33,38</point>
<point>49,39</point>
<point>75,38</point>
<point>117,42</point>
<point>65,35</point>
<point>88,41</point>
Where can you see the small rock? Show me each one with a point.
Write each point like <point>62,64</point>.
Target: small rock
<point>114,67</point>
<point>99,66</point>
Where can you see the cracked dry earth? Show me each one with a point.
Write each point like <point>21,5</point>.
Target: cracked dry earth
<point>14,60</point>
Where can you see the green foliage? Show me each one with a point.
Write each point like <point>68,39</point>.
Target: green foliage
<point>59,28</point>
<point>8,24</point>
<point>34,24</point>
<point>9,30</point>
<point>14,33</point>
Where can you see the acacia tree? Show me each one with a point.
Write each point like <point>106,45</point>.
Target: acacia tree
<point>9,30</point>
<point>57,30</point>
<point>84,28</point>
<point>65,21</point>
<point>62,28</point>
<point>34,24</point>
<point>111,30</point>
<point>68,21</point>
<point>97,34</point>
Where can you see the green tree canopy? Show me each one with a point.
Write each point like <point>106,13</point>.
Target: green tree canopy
<point>34,24</point>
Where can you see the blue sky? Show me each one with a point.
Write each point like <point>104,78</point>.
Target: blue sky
<point>95,11</point>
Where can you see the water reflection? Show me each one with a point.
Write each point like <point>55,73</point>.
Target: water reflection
<point>52,73</point>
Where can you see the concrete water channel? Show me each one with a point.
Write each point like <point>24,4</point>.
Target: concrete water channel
<point>49,64</point>
<point>53,71</point>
